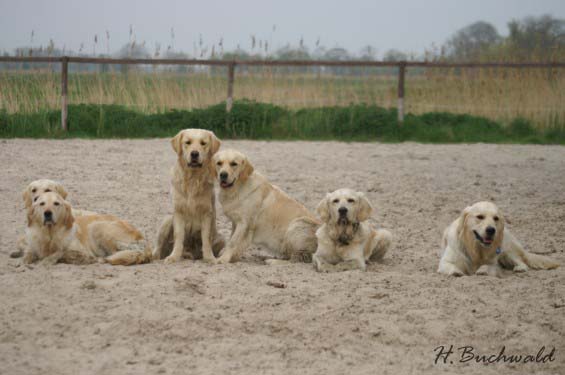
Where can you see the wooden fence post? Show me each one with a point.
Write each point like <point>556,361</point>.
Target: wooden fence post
<point>231,78</point>
<point>64,79</point>
<point>401,74</point>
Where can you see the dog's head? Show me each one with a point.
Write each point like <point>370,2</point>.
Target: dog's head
<point>38,187</point>
<point>195,147</point>
<point>50,210</point>
<point>344,206</point>
<point>231,167</point>
<point>482,223</point>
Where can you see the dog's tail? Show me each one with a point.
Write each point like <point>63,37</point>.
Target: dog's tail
<point>165,237</point>
<point>300,239</point>
<point>538,262</point>
<point>138,252</point>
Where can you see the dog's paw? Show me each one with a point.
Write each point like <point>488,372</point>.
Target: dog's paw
<point>210,260</point>
<point>224,259</point>
<point>171,259</point>
<point>456,273</point>
<point>486,270</point>
<point>48,262</point>
<point>520,268</point>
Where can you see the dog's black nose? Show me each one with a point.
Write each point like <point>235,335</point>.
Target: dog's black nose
<point>224,176</point>
<point>48,214</point>
<point>490,231</point>
<point>194,154</point>
<point>342,211</point>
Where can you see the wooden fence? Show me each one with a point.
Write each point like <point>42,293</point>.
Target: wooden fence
<point>232,64</point>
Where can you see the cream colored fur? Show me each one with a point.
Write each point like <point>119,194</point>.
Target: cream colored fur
<point>261,213</point>
<point>86,239</point>
<point>467,250</point>
<point>191,230</point>
<point>347,240</point>
<point>32,192</point>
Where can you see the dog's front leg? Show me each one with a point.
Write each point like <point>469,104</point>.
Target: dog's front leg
<point>206,233</point>
<point>179,228</point>
<point>52,259</point>
<point>239,241</point>
<point>489,270</point>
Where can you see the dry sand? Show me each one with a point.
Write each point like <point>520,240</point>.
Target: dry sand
<point>196,318</point>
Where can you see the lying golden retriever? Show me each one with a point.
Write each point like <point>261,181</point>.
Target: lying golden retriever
<point>261,213</point>
<point>347,240</point>
<point>30,195</point>
<point>192,227</point>
<point>54,235</point>
<point>478,243</point>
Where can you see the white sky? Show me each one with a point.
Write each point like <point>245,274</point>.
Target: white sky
<point>408,25</point>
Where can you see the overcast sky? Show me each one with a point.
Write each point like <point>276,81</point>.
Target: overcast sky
<point>408,25</point>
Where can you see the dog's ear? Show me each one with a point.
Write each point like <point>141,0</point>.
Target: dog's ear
<point>215,143</point>
<point>247,170</point>
<point>212,166</point>
<point>30,213</point>
<point>69,218</point>
<point>323,209</point>
<point>26,196</point>
<point>365,207</point>
<point>463,220</point>
<point>59,189</point>
<point>176,143</point>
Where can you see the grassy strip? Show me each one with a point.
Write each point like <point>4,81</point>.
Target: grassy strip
<point>251,120</point>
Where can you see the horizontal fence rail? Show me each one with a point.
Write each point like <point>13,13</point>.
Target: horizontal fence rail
<point>232,64</point>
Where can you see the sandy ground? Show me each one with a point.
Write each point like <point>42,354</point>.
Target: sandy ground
<point>196,318</point>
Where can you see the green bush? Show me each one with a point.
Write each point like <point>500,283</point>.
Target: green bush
<point>251,120</point>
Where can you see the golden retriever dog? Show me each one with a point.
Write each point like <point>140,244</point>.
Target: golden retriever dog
<point>30,195</point>
<point>54,235</point>
<point>477,243</point>
<point>346,240</point>
<point>261,213</point>
<point>192,227</point>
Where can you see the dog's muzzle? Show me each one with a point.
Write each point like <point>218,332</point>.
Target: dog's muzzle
<point>48,218</point>
<point>342,220</point>
<point>224,180</point>
<point>486,241</point>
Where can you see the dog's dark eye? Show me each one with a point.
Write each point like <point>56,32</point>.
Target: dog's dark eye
<point>219,164</point>
<point>336,200</point>
<point>351,200</point>
<point>480,217</point>
<point>203,143</point>
<point>42,204</point>
<point>496,218</point>
<point>188,142</point>
<point>57,203</point>
<point>33,190</point>
<point>233,164</point>
<point>35,199</point>
<point>47,190</point>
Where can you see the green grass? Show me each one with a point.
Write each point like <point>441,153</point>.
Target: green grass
<point>251,120</point>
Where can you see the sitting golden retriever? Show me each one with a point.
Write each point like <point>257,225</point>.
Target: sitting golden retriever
<point>192,227</point>
<point>261,213</point>
<point>54,235</point>
<point>346,240</point>
<point>477,243</point>
<point>31,193</point>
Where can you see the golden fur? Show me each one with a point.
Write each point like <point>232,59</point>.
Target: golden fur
<point>54,235</point>
<point>260,212</point>
<point>32,192</point>
<point>346,240</point>
<point>192,227</point>
<point>469,249</point>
